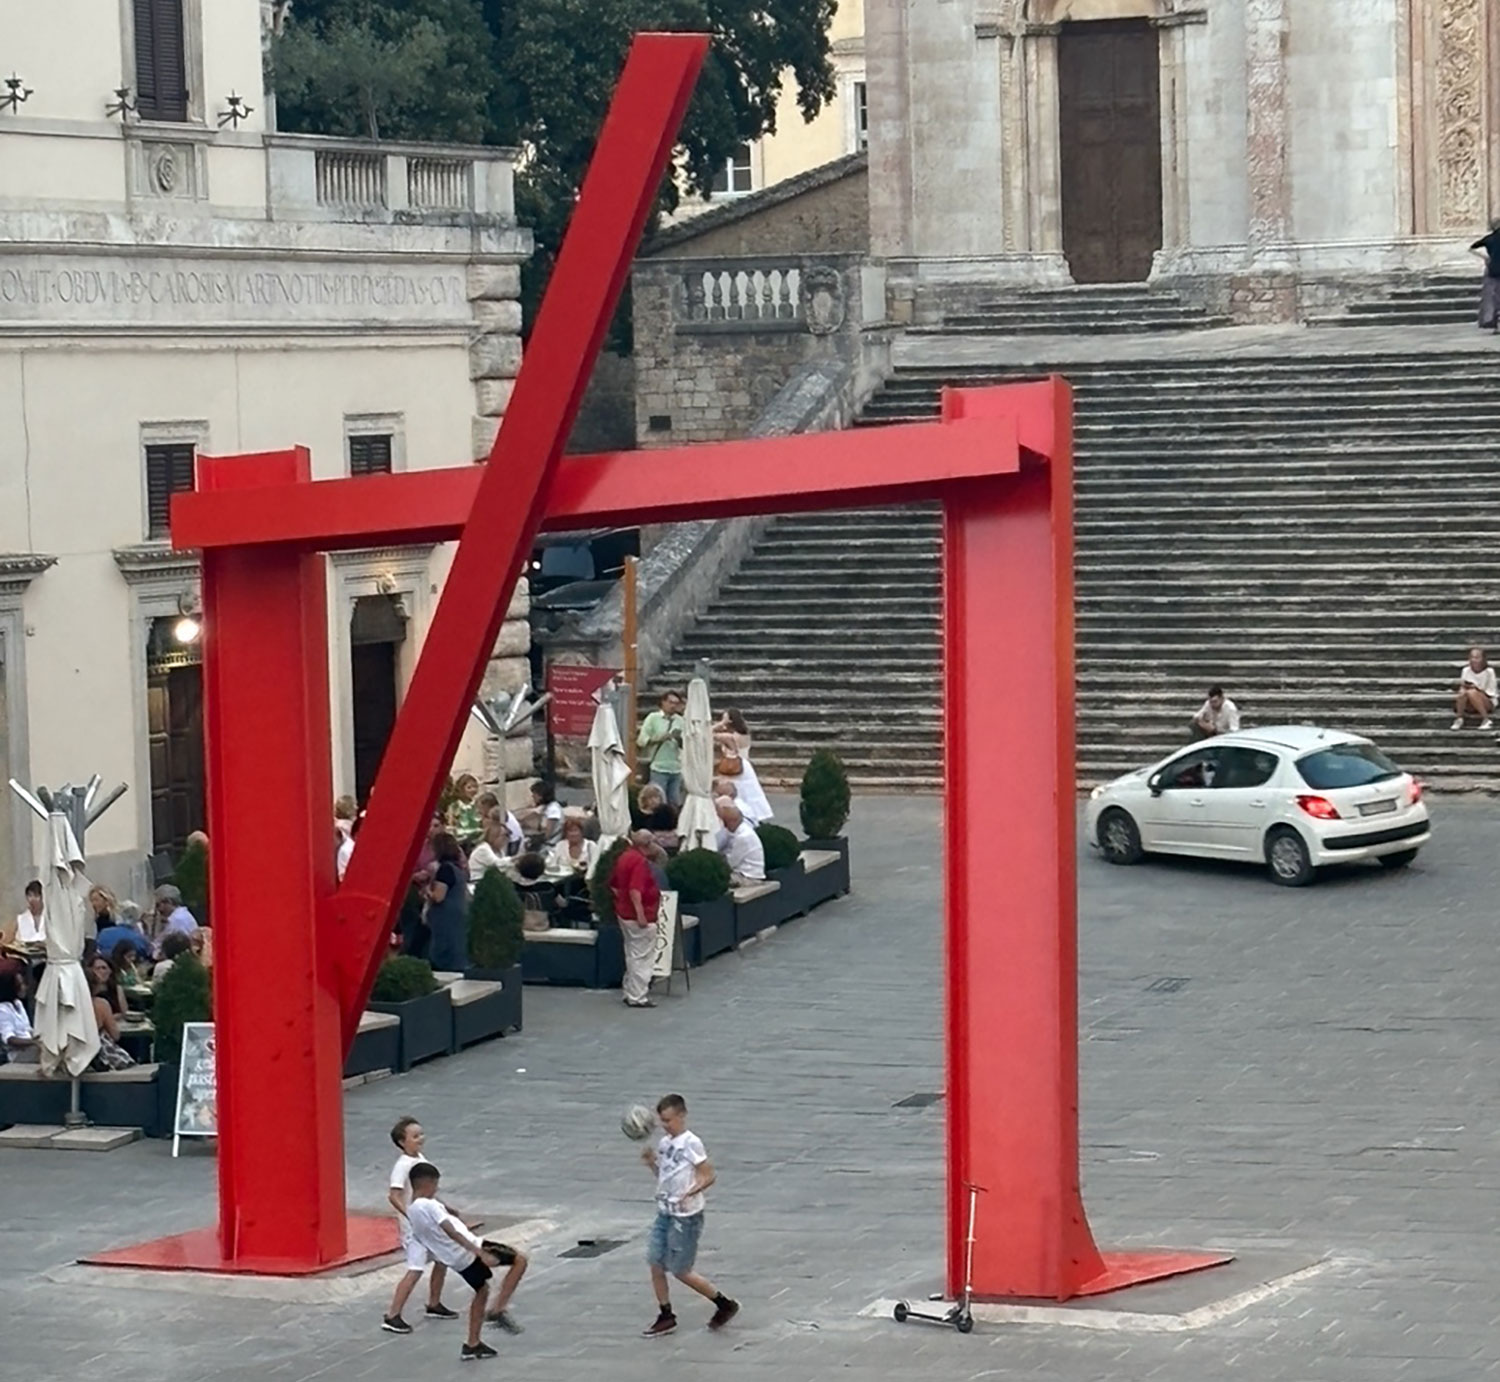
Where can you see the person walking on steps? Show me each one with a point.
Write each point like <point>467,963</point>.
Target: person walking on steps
<point>683,1173</point>
<point>1489,302</point>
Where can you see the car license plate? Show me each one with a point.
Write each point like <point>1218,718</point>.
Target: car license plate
<point>1378,808</point>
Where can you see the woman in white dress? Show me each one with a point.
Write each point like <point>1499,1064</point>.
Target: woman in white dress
<point>732,740</point>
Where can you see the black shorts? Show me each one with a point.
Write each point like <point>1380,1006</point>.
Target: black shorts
<point>477,1274</point>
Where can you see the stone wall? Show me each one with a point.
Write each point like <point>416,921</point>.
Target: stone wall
<point>606,421</point>
<point>829,216</point>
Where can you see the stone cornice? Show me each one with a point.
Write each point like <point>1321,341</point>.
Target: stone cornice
<point>155,561</point>
<point>19,569</point>
<point>390,556</point>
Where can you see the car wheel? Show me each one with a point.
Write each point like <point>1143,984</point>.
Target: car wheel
<point>1398,860</point>
<point>1287,858</point>
<point>1118,837</point>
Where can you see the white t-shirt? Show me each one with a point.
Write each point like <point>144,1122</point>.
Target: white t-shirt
<point>1226,720</point>
<point>401,1178</point>
<point>346,853</point>
<point>744,852</point>
<point>13,1022</point>
<point>30,928</point>
<point>677,1159</point>
<point>427,1217</point>
<point>1484,680</point>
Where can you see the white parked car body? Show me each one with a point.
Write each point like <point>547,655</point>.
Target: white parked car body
<point>1236,795</point>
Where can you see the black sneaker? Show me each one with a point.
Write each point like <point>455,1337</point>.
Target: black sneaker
<point>666,1323</point>
<point>503,1319</point>
<point>470,1352</point>
<point>394,1324</point>
<point>724,1314</point>
<point>441,1312</point>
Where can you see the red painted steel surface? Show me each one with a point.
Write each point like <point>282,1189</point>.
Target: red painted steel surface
<point>368,1236</point>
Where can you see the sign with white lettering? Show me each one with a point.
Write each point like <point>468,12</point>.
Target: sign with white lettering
<point>163,290</point>
<point>197,1085</point>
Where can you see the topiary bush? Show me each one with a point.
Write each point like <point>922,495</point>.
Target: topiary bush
<point>780,845</point>
<point>495,931</point>
<point>698,875</point>
<point>403,978</point>
<point>184,995</point>
<point>600,896</point>
<point>825,796</point>
<point>191,878</point>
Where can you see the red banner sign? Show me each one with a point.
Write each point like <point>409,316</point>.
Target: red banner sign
<point>575,698</point>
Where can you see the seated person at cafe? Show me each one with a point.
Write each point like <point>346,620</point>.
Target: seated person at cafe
<point>171,914</point>
<point>17,1036</point>
<point>121,932</point>
<point>662,823</point>
<point>502,838</point>
<point>105,908</point>
<point>31,925</point>
<point>574,853</point>
<point>173,945</point>
<point>530,867</point>
<point>109,1007</point>
<point>132,967</point>
<point>741,846</point>
<point>544,818</point>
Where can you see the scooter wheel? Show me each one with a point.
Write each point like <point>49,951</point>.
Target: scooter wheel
<point>964,1324</point>
<point>900,1312</point>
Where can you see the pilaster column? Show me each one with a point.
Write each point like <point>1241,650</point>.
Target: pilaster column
<point>1268,125</point>
<point>1455,114</point>
<point>1043,139</point>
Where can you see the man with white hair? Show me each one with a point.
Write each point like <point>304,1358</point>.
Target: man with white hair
<point>741,846</point>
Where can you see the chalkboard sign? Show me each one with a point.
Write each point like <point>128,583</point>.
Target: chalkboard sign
<point>671,953</point>
<point>197,1099</point>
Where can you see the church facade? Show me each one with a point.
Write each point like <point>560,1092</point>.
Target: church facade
<point>1262,151</point>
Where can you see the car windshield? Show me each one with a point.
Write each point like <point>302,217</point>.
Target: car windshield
<point>1346,765</point>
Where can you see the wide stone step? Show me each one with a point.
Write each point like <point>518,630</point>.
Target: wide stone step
<point>1107,325</point>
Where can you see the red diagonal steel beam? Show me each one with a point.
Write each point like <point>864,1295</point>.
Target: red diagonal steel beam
<point>630,159</point>
<point>715,480</point>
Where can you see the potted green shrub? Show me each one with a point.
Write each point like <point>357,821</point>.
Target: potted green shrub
<point>601,899</point>
<point>784,867</point>
<point>407,987</point>
<point>191,879</point>
<point>825,812</point>
<point>184,995</point>
<point>496,939</point>
<point>700,878</point>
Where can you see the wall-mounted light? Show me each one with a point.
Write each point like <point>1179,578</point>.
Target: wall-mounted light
<point>189,626</point>
<point>237,111</point>
<point>15,93</point>
<point>122,105</point>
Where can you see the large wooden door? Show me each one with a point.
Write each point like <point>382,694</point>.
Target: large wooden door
<point>174,709</point>
<point>1109,92</point>
<point>374,668</point>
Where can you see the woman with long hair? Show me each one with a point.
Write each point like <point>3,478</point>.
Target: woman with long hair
<point>448,906</point>
<point>1476,690</point>
<point>732,749</point>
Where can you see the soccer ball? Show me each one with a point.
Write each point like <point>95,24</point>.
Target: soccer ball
<point>638,1123</point>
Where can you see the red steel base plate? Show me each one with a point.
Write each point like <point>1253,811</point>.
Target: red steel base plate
<point>1123,1269</point>
<point>370,1236</point>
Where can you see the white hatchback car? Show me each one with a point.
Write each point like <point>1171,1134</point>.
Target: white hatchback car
<point>1292,797</point>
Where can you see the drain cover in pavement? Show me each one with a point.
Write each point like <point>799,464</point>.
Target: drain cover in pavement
<point>593,1247</point>
<point>1169,984</point>
<point>918,1101</point>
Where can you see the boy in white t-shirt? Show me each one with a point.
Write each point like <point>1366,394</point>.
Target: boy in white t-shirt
<point>683,1173</point>
<point>449,1241</point>
<point>409,1139</point>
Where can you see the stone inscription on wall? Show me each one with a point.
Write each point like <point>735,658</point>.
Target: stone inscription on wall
<point>108,290</point>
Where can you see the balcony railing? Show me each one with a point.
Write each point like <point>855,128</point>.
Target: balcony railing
<point>346,179</point>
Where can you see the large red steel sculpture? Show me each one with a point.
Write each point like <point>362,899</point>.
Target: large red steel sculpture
<point>999,461</point>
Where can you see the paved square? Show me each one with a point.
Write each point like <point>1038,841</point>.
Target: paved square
<point>1302,1076</point>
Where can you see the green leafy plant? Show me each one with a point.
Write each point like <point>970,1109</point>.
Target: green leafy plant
<point>184,995</point>
<point>403,978</point>
<point>825,796</point>
<point>191,878</point>
<point>600,896</point>
<point>780,845</point>
<point>698,875</point>
<point>496,934</point>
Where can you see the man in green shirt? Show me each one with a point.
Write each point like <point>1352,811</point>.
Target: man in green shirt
<point>661,740</point>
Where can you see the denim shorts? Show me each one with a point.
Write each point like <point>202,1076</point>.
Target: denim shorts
<point>673,1245</point>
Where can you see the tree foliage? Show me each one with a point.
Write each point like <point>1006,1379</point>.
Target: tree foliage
<point>538,75</point>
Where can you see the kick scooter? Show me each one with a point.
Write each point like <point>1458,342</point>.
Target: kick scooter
<point>961,1314</point>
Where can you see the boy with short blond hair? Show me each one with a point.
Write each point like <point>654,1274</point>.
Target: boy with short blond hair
<point>410,1139</point>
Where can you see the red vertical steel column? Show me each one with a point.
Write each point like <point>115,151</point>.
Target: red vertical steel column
<point>276,1007</point>
<point>1011,904</point>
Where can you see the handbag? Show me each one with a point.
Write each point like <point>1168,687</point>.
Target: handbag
<point>729,764</point>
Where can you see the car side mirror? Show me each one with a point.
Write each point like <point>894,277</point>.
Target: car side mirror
<point>1155,785</point>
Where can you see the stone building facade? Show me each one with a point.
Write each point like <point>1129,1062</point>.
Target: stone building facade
<point>177,278</point>
<point>1265,149</point>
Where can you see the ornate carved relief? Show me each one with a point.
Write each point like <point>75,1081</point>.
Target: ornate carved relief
<point>1460,113</point>
<point>1266,141</point>
<point>164,169</point>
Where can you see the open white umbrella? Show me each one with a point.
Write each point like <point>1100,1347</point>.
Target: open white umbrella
<point>698,822</point>
<point>65,1026</point>
<point>611,777</point>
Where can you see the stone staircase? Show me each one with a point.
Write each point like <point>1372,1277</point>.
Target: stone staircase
<point>1107,308</point>
<point>1444,300</point>
<point>1315,532</point>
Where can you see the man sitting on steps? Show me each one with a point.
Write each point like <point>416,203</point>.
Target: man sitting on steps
<point>1219,715</point>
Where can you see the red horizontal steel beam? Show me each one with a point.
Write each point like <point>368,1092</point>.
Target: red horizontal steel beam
<point>711,480</point>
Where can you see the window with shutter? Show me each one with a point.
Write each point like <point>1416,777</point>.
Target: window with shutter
<point>169,471</point>
<point>370,454</point>
<point>160,60</point>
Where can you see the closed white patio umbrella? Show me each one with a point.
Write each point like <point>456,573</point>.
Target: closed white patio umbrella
<point>65,1026</point>
<point>611,774</point>
<point>698,822</point>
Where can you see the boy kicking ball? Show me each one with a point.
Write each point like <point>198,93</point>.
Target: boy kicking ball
<point>450,1242</point>
<point>409,1139</point>
<point>683,1173</point>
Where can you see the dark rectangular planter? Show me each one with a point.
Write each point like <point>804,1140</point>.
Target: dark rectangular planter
<point>792,899</point>
<point>756,915</point>
<point>128,1099</point>
<point>598,964</point>
<point>31,1099</point>
<point>833,880</point>
<point>166,1100</point>
<point>511,980</point>
<point>375,1049</point>
<point>715,926</point>
<point>426,1027</point>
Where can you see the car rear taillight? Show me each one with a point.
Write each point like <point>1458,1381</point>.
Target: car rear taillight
<point>1414,792</point>
<point>1319,807</point>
